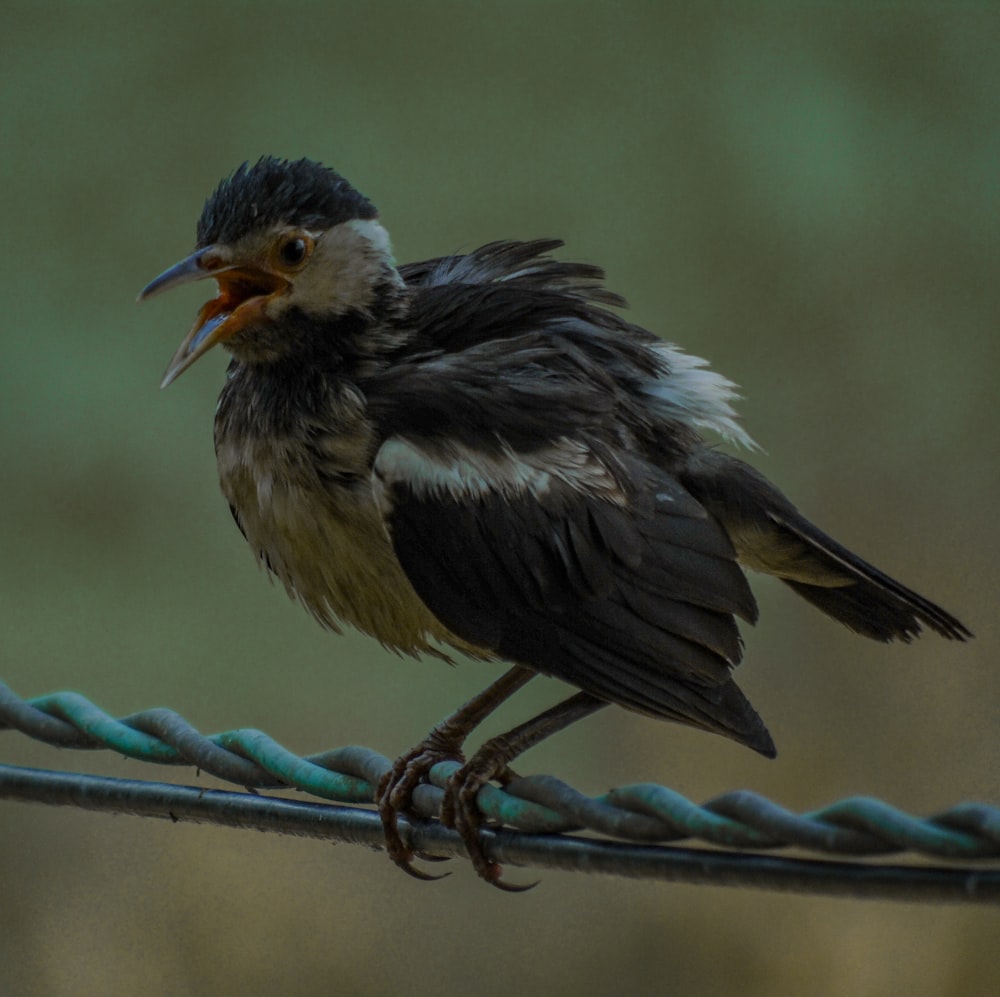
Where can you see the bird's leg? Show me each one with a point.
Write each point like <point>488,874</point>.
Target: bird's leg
<point>444,743</point>
<point>459,809</point>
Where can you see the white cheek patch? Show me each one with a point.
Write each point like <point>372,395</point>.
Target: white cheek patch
<point>462,474</point>
<point>687,391</point>
<point>347,263</point>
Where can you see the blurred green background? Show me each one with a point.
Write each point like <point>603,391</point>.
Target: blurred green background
<point>807,195</point>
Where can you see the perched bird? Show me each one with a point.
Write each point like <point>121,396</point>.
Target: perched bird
<point>476,453</point>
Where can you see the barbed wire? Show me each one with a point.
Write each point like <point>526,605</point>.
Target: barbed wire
<point>542,805</point>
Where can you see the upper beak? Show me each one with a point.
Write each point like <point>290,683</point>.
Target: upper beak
<point>196,267</point>
<point>243,292</point>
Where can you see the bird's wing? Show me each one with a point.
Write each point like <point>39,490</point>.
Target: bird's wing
<point>597,568</point>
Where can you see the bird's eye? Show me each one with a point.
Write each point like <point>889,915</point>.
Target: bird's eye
<point>294,250</point>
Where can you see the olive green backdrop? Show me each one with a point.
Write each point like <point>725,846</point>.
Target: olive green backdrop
<point>805,194</point>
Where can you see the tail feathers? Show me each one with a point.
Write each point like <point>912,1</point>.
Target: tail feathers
<point>772,536</point>
<point>869,601</point>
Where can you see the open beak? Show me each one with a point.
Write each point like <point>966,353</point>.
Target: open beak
<point>244,290</point>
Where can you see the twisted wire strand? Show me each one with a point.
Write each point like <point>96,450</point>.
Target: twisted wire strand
<point>857,826</point>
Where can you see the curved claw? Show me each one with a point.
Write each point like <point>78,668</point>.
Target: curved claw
<point>411,870</point>
<point>486,868</point>
<point>501,884</point>
<point>427,857</point>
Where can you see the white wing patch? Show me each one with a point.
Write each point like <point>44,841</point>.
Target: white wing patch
<point>460,473</point>
<point>687,391</point>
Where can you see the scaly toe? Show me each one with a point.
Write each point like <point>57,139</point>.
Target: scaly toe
<point>394,796</point>
<point>400,853</point>
<point>460,811</point>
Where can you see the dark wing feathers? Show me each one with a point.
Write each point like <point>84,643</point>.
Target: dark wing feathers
<point>493,261</point>
<point>505,289</point>
<point>686,579</point>
<point>501,385</point>
<point>680,701</point>
<point>523,264</point>
<point>715,631</point>
<point>563,581</point>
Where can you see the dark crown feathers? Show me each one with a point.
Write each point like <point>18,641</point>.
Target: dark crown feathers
<point>275,191</point>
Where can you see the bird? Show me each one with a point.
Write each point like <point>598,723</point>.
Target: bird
<point>478,453</point>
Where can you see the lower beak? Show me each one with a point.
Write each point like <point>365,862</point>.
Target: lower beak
<point>205,333</point>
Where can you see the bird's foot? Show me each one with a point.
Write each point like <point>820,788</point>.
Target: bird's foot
<point>460,811</point>
<point>395,793</point>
